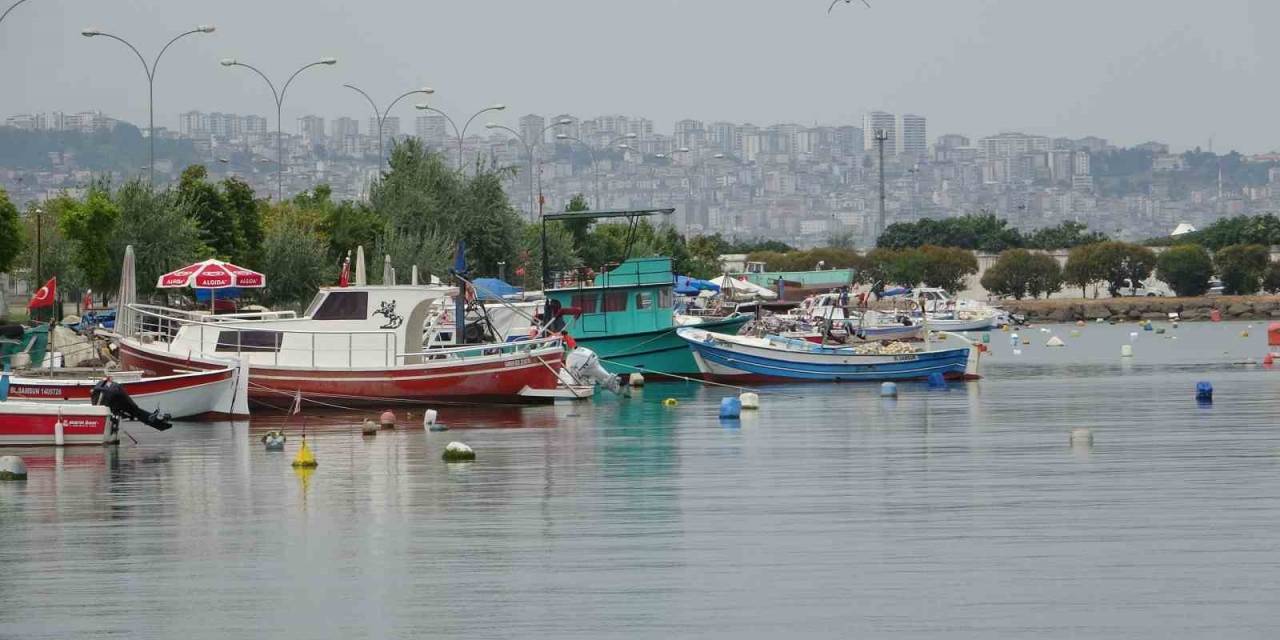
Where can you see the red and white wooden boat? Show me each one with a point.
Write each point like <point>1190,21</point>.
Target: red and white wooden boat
<point>353,345</point>
<point>216,393</point>
<point>43,423</point>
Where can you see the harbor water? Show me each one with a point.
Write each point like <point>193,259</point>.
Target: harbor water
<point>968,512</point>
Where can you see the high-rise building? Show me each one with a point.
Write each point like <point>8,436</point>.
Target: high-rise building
<point>193,124</point>
<point>952,141</point>
<point>879,121</point>
<point>432,129</point>
<point>1082,163</point>
<point>224,125</point>
<point>915,140</point>
<point>641,127</point>
<point>311,128</point>
<point>689,133</point>
<point>722,135</point>
<point>254,125</point>
<point>848,140</point>
<point>1007,145</point>
<point>531,129</point>
<point>343,127</point>
<point>390,128</point>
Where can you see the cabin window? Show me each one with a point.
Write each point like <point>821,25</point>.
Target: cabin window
<point>615,301</point>
<point>248,341</point>
<point>344,305</point>
<point>664,297</point>
<point>644,300</point>
<point>586,302</point>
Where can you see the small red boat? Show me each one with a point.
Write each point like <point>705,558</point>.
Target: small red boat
<point>217,393</point>
<point>39,423</point>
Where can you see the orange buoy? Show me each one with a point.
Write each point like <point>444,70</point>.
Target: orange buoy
<point>1215,315</point>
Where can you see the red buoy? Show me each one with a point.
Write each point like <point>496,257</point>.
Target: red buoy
<point>1273,334</point>
<point>1215,315</point>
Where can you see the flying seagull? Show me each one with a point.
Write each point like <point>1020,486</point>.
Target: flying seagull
<point>836,2</point>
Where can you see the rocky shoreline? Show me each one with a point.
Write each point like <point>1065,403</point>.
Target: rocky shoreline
<point>1070,310</point>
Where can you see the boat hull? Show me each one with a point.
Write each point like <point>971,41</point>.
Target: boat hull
<point>35,423</point>
<point>654,352</point>
<point>725,360</point>
<point>210,393</point>
<point>490,379</point>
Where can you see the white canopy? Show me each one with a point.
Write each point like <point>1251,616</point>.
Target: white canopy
<point>742,290</point>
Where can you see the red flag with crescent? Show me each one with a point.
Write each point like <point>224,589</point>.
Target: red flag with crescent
<point>45,295</point>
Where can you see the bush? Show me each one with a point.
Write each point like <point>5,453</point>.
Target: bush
<point>1271,279</point>
<point>1241,267</point>
<point>1187,268</point>
<point>1019,273</point>
<point>946,267</point>
<point>1121,264</point>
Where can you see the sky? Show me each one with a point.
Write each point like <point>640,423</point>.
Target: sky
<point>1184,72</point>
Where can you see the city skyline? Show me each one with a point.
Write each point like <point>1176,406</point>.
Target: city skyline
<point>1119,72</point>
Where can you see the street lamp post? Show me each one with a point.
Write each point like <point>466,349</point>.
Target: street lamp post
<point>150,69</point>
<point>279,97</point>
<point>380,117</point>
<point>461,133</point>
<point>595,167</point>
<point>531,148</point>
<point>11,8</point>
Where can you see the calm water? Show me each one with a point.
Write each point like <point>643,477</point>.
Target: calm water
<point>831,513</point>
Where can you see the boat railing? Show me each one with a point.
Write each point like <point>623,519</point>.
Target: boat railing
<point>329,349</point>
<point>361,348</point>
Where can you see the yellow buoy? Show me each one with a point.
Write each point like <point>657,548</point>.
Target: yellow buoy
<point>305,458</point>
<point>670,402</point>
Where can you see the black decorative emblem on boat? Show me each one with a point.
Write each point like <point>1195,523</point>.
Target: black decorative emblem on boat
<point>388,310</point>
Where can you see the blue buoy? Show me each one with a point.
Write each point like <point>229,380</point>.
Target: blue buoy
<point>1204,391</point>
<point>889,390</point>
<point>936,381</point>
<point>730,408</point>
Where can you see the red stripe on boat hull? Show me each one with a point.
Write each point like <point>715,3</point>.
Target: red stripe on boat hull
<point>495,380</point>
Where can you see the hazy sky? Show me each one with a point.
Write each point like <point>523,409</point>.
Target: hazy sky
<point>1179,71</point>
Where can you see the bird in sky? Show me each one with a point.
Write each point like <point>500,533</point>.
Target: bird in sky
<point>836,2</point>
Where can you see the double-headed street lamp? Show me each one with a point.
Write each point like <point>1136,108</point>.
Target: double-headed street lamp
<point>531,148</point>
<point>380,117</point>
<point>150,69</point>
<point>279,97</point>
<point>595,167</point>
<point>461,133</point>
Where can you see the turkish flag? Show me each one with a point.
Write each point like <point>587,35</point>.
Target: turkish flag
<point>44,295</point>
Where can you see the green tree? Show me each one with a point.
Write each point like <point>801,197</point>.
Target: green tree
<point>489,224</point>
<point>527,269</point>
<point>10,233</point>
<point>294,258</point>
<point>90,226</point>
<point>201,200</point>
<point>1187,268</point>
<point>245,213</point>
<point>1064,236</point>
<point>947,267</point>
<point>1082,268</point>
<point>579,229</point>
<point>1271,279</point>
<point>1019,273</point>
<point>1241,267</point>
<point>163,238</point>
<point>906,267</point>
<point>56,252</point>
<point>1123,265</point>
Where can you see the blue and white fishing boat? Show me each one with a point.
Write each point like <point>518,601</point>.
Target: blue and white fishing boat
<point>775,358</point>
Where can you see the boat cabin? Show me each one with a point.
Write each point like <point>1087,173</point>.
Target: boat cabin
<point>634,297</point>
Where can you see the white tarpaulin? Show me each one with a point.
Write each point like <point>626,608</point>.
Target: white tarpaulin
<point>735,289</point>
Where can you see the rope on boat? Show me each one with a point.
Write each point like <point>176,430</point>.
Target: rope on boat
<point>407,401</point>
<point>699,380</point>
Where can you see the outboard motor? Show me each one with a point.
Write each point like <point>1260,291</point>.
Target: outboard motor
<point>584,365</point>
<point>111,395</point>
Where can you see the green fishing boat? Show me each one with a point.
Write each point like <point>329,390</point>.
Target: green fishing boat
<point>626,314</point>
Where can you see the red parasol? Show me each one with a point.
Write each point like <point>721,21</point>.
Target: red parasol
<point>212,274</point>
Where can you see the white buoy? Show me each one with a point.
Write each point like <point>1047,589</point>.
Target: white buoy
<point>1133,335</point>
<point>1081,436</point>
<point>1126,351</point>
<point>1017,352</point>
<point>1055,341</point>
<point>59,433</point>
<point>458,452</point>
<point>369,427</point>
<point>636,380</point>
<point>12,468</point>
<point>888,390</point>
<point>429,419</point>
<point>749,400</point>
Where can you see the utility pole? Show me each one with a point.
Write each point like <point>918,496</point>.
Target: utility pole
<point>882,136</point>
